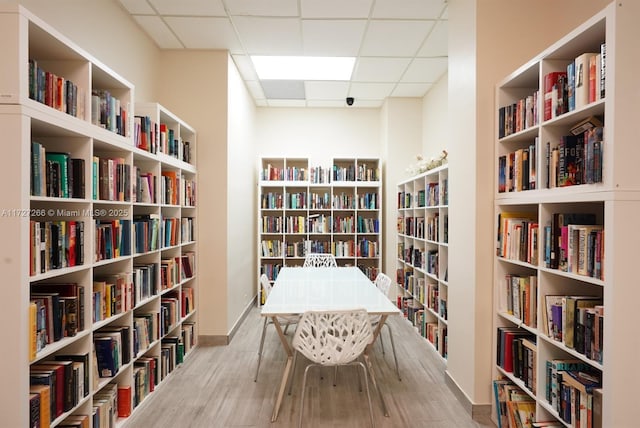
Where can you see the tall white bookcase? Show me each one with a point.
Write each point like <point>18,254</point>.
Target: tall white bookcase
<point>614,202</point>
<point>151,255</point>
<point>423,254</point>
<point>322,208</point>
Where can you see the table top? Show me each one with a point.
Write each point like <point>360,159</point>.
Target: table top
<point>300,289</point>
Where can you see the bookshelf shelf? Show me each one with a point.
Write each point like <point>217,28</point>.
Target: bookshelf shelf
<point>564,214</point>
<point>304,207</point>
<point>72,219</point>
<point>422,254</point>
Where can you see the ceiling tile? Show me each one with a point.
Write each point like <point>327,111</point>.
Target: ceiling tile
<point>437,41</point>
<point>411,89</point>
<point>159,32</point>
<point>332,37</point>
<point>204,33</point>
<point>379,69</point>
<point>425,70</point>
<point>263,8</point>
<point>335,8</point>
<point>394,38</point>
<point>370,90</point>
<point>283,89</point>
<point>408,9</point>
<point>256,89</point>
<point>138,7</point>
<point>189,7</point>
<point>326,90</point>
<point>270,36</point>
<point>245,67</point>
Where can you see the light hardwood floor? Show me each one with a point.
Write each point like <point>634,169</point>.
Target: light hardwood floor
<point>214,388</point>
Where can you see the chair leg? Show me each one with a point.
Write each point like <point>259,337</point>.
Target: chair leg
<point>293,371</point>
<point>393,348</point>
<point>302,393</point>
<point>381,343</point>
<point>366,383</point>
<point>264,330</point>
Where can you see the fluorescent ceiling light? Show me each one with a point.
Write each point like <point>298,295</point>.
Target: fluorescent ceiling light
<point>303,67</point>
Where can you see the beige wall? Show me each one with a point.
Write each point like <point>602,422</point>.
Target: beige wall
<point>193,85</point>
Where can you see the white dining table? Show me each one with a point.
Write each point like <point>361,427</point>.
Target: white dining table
<point>300,289</point>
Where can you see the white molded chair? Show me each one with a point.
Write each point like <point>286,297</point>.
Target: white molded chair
<point>319,260</point>
<point>333,338</point>
<point>285,321</point>
<point>383,283</point>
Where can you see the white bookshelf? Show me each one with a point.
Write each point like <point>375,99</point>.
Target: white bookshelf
<point>423,253</point>
<point>614,202</point>
<point>313,207</point>
<point>86,136</point>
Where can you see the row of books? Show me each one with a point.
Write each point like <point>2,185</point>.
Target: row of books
<point>112,239</point>
<point>520,115</point>
<point>517,170</point>
<point>514,407</point>
<point>108,112</point>
<point>55,245</point>
<point>517,237</point>
<point>56,174</point>
<point>573,391</point>
<point>370,272</point>
<point>112,295</point>
<point>576,159</point>
<point>574,242</point>
<point>159,138</point>
<point>57,385</point>
<point>577,321</point>
<point>435,333</point>
<point>581,83</point>
<point>56,311</point>
<point>111,179</point>
<point>55,91</point>
<point>352,173</point>
<point>519,298</point>
<point>277,173</point>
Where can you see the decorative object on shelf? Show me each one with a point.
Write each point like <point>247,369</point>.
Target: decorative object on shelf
<point>424,165</point>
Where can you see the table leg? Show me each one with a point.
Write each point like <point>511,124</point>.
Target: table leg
<point>367,360</point>
<point>287,368</point>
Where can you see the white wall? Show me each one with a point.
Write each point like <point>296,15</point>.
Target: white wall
<point>435,119</point>
<point>241,199</point>
<point>317,133</point>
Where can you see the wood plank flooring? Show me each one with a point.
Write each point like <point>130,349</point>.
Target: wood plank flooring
<point>214,388</point>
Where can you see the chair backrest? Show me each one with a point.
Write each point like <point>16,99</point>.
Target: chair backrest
<point>383,282</point>
<point>266,284</point>
<point>333,338</point>
<point>319,260</point>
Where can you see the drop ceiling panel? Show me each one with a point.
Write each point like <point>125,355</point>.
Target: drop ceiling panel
<point>316,90</point>
<point>332,37</point>
<point>437,42</point>
<point>408,9</point>
<point>138,7</point>
<point>262,7</point>
<point>204,33</point>
<point>189,7</point>
<point>411,89</point>
<point>425,70</point>
<point>245,67</point>
<point>270,36</point>
<point>283,89</point>
<point>335,8</point>
<point>380,69</point>
<point>395,38</point>
<point>400,45</point>
<point>159,32</point>
<point>371,91</point>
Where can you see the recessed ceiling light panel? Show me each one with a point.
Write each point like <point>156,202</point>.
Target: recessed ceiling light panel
<point>303,67</point>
